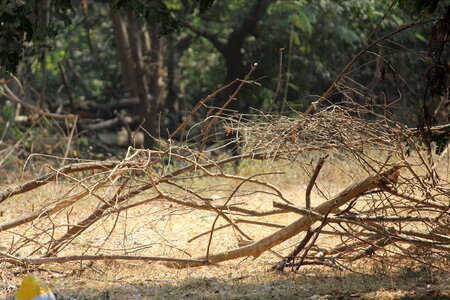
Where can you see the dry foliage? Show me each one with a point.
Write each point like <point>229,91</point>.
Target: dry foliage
<point>399,209</point>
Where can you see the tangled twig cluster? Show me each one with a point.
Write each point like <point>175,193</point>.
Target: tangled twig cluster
<point>399,210</point>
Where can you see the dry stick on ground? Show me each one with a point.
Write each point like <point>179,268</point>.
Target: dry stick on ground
<point>314,239</point>
<point>49,177</point>
<point>48,211</point>
<point>76,230</point>
<point>118,191</point>
<point>301,224</point>
<point>267,224</point>
<point>101,211</point>
<point>280,266</point>
<point>23,261</point>
<point>325,219</point>
<point>429,235</point>
<point>391,236</point>
<point>273,225</point>
<point>80,167</point>
<point>397,235</point>
<point>217,210</point>
<point>342,249</point>
<point>203,169</point>
<point>220,213</point>
<point>58,206</point>
<point>348,219</point>
<point>430,239</point>
<point>69,141</point>
<point>380,243</point>
<point>424,202</point>
<point>192,204</point>
<point>313,181</point>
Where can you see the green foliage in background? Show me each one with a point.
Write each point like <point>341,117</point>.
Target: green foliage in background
<point>317,37</point>
<point>16,30</point>
<point>20,25</point>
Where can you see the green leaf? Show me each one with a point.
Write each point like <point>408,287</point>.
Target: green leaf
<point>420,37</point>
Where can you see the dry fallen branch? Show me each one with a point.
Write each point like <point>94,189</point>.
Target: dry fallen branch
<point>176,196</point>
<point>301,224</point>
<point>165,184</point>
<point>23,261</point>
<point>50,177</point>
<point>13,97</point>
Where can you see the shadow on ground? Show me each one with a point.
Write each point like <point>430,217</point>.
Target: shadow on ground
<point>408,284</point>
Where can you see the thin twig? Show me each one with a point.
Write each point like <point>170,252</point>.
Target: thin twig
<point>312,181</point>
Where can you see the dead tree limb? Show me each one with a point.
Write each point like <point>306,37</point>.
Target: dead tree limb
<point>21,261</point>
<point>301,224</point>
<point>313,181</point>
<point>42,180</point>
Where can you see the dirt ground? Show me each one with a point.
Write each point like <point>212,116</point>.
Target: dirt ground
<point>234,280</point>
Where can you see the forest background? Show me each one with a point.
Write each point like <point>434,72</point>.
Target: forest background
<point>145,64</point>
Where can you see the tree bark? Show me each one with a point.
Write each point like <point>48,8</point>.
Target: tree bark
<point>174,102</point>
<point>124,51</point>
<point>141,81</point>
<point>234,61</point>
<point>156,83</point>
<point>43,8</point>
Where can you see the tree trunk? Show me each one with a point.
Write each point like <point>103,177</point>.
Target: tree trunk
<point>231,50</point>
<point>141,82</point>
<point>124,51</point>
<point>235,70</point>
<point>156,83</point>
<point>43,8</point>
<point>174,100</point>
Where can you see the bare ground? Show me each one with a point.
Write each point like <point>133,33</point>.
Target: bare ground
<point>245,280</point>
<point>370,278</point>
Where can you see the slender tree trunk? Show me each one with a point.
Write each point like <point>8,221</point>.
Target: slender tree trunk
<point>146,118</point>
<point>156,85</point>
<point>173,84</point>
<point>124,51</point>
<point>231,50</point>
<point>234,61</point>
<point>174,101</point>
